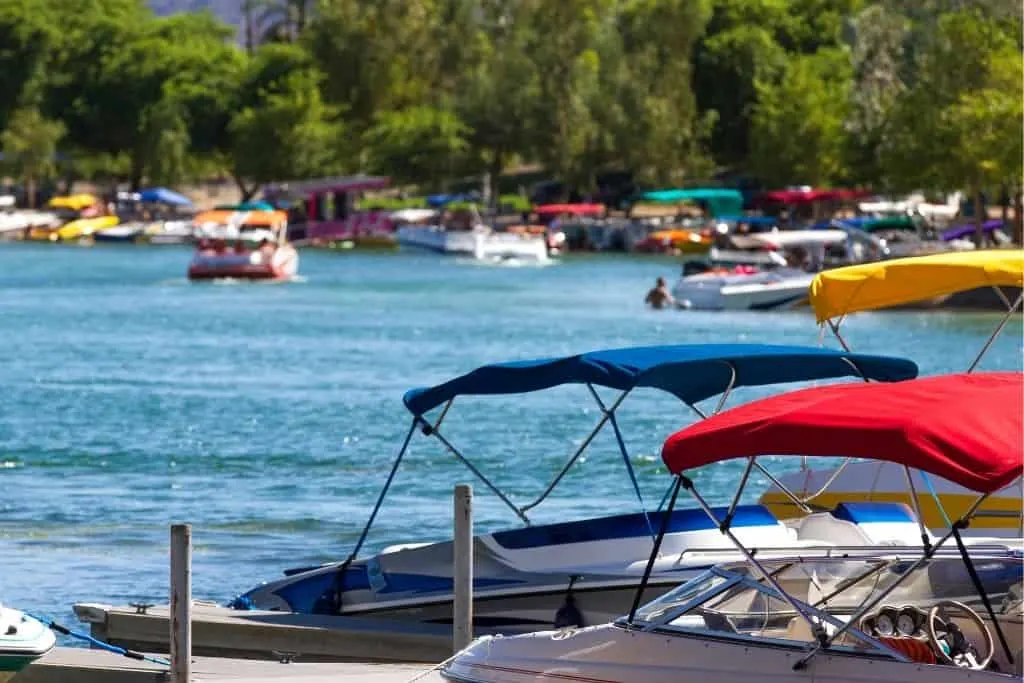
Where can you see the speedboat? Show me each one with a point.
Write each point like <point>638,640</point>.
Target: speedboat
<point>23,640</point>
<point>760,289</point>
<point>836,294</point>
<point>894,615</point>
<point>586,570</point>
<point>259,249</point>
<point>464,234</point>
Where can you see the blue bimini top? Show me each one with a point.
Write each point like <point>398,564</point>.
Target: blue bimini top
<point>691,372</point>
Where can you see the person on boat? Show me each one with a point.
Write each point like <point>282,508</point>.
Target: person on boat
<point>266,248</point>
<point>659,296</point>
<point>240,247</point>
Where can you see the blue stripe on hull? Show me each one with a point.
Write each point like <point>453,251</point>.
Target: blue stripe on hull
<point>770,305</point>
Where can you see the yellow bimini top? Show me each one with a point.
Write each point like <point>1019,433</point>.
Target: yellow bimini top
<point>869,286</point>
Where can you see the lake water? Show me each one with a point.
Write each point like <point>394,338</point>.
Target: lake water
<point>266,415</point>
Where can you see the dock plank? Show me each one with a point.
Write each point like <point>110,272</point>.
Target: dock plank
<point>63,664</point>
<point>222,632</point>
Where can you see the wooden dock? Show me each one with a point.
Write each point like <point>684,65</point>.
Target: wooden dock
<point>259,634</point>
<point>65,665</point>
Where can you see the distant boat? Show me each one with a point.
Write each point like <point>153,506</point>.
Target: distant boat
<point>246,245</point>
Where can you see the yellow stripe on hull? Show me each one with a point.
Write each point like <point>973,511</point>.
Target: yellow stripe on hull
<point>997,513</point>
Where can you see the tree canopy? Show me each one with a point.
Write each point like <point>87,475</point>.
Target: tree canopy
<point>892,94</point>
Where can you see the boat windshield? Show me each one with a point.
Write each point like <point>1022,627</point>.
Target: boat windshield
<point>734,601</point>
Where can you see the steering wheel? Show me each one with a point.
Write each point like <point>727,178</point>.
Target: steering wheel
<point>958,650</point>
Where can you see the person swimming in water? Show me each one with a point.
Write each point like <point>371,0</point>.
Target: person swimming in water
<point>659,297</point>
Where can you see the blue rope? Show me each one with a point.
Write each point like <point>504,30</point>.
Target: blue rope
<point>117,650</point>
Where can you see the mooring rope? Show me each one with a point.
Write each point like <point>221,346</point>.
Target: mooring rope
<point>116,649</point>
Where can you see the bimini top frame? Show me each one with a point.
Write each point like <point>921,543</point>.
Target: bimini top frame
<point>691,373</point>
<point>916,424</point>
<point>836,293</point>
<point>839,292</point>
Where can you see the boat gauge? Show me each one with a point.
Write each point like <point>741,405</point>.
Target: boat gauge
<point>884,625</point>
<point>906,625</point>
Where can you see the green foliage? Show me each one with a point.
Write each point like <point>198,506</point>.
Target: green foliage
<point>29,145</point>
<point>418,143</point>
<point>959,124</point>
<point>798,124</point>
<point>904,94</point>
<point>289,134</point>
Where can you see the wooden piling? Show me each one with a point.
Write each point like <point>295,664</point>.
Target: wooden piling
<point>462,605</point>
<point>181,603</point>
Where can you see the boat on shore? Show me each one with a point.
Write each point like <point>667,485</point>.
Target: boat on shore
<point>23,640</point>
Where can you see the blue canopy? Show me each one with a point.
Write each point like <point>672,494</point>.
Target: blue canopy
<point>161,195</point>
<point>691,372</point>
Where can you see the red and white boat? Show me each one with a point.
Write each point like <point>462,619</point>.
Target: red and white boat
<point>243,245</point>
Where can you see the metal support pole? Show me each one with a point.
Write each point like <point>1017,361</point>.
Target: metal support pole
<point>181,603</point>
<point>462,606</point>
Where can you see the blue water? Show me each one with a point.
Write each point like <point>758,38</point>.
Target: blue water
<point>267,415</point>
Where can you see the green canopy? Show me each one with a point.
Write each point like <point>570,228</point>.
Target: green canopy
<point>719,201</point>
<point>890,223</point>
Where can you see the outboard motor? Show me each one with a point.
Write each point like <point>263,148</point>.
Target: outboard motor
<point>568,614</point>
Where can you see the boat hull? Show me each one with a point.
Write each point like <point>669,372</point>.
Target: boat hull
<point>475,243</point>
<point>998,516</point>
<point>761,291</point>
<point>23,640</point>
<point>613,654</point>
<point>283,265</point>
<point>523,577</point>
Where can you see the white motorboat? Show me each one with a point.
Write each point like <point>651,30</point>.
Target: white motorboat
<point>757,288</point>
<point>14,224</point>
<point>480,243</point>
<point>584,571</point>
<point>23,640</point>
<point>890,617</point>
<point>464,234</point>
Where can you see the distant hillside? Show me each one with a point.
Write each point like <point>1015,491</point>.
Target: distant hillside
<point>228,10</point>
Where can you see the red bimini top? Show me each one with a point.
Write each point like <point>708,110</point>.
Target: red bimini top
<point>965,428</point>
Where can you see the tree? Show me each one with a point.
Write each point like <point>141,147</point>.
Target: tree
<point>289,134</point>
<point>797,134</point>
<point>30,145</point>
<point>959,124</point>
<point>166,142</point>
<point>877,37</point>
<point>416,144</point>
<point>497,89</point>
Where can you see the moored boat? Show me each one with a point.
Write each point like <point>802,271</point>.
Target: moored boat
<point>890,616</point>
<point>23,640</point>
<point>589,567</point>
<point>836,294</point>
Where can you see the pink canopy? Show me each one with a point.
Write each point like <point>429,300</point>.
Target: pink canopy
<point>965,428</point>
<point>807,196</point>
<point>571,209</point>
